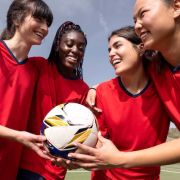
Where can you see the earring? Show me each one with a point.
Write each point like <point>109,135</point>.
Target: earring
<point>141,48</point>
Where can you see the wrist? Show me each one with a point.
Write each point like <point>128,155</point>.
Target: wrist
<point>14,135</point>
<point>122,159</point>
<point>92,88</point>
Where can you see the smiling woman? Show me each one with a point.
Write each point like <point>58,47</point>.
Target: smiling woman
<point>18,78</point>
<point>150,28</point>
<point>126,126</point>
<point>60,82</point>
<point>157,23</point>
<point>71,51</point>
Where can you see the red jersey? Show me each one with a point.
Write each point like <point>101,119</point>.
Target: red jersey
<point>52,90</point>
<point>17,82</point>
<point>167,83</point>
<point>132,122</point>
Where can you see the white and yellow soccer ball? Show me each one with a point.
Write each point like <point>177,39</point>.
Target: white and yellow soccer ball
<point>68,123</point>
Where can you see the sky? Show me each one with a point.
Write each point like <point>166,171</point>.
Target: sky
<point>97,18</point>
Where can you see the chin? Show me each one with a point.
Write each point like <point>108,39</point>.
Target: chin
<point>39,43</point>
<point>148,45</point>
<point>69,67</point>
<point>117,73</point>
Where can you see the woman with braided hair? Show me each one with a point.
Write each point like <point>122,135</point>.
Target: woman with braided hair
<point>60,81</point>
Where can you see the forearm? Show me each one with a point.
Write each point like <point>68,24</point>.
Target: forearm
<point>166,153</point>
<point>8,133</point>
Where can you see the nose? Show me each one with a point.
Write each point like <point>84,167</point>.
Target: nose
<point>44,27</point>
<point>74,49</point>
<point>138,27</point>
<point>112,53</point>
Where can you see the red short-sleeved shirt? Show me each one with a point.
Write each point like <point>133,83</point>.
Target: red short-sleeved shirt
<point>167,83</point>
<point>132,122</point>
<point>17,82</point>
<point>52,90</point>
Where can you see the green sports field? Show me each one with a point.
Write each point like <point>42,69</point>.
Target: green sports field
<point>170,172</point>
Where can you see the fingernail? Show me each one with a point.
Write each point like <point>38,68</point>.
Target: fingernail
<point>74,143</point>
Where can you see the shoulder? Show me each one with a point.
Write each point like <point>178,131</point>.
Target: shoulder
<point>38,61</point>
<point>110,84</point>
<point>84,83</point>
<point>80,84</point>
<point>105,89</point>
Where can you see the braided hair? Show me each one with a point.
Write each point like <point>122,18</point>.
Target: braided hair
<point>66,27</point>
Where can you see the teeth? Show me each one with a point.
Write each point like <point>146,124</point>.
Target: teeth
<point>72,58</point>
<point>116,61</point>
<point>39,34</point>
<point>143,35</point>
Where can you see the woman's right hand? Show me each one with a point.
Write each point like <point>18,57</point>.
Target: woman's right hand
<point>34,142</point>
<point>91,100</point>
<point>102,157</point>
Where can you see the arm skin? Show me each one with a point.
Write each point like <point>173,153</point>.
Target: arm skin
<point>91,99</point>
<point>34,142</point>
<point>108,156</point>
<point>163,154</point>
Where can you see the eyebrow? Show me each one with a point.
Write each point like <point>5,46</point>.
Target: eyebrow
<point>114,44</point>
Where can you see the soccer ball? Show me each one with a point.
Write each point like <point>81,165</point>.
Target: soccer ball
<point>68,123</point>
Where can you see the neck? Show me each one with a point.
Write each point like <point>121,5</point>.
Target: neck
<point>66,73</point>
<point>19,48</point>
<point>135,81</point>
<point>171,50</point>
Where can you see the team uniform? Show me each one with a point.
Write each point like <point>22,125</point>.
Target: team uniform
<point>52,90</point>
<point>132,122</point>
<point>167,83</point>
<point>17,84</point>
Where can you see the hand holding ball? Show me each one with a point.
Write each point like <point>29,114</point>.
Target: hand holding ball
<point>68,123</point>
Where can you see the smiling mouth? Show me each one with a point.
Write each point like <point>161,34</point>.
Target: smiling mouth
<point>116,61</point>
<point>143,35</point>
<point>40,35</point>
<point>72,60</point>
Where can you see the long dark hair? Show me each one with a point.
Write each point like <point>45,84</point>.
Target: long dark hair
<point>19,9</point>
<point>54,58</point>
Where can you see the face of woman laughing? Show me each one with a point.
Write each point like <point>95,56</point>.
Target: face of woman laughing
<point>123,56</point>
<point>32,30</point>
<point>154,22</point>
<point>71,49</point>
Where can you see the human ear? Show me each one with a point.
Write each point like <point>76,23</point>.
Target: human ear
<point>176,8</point>
<point>141,49</point>
<point>16,23</point>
